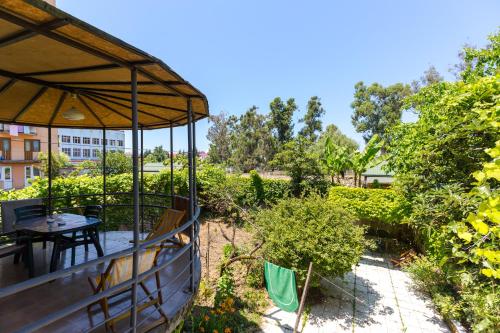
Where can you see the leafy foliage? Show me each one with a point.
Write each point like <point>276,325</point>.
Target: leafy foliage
<point>377,108</point>
<point>301,164</point>
<point>312,119</point>
<point>281,119</point>
<point>447,165</point>
<point>219,137</point>
<point>59,161</point>
<point>252,142</point>
<point>158,155</point>
<point>298,231</point>
<point>362,160</point>
<point>370,205</point>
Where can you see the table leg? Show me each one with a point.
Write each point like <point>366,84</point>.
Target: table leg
<point>55,255</point>
<point>94,236</point>
<point>30,259</point>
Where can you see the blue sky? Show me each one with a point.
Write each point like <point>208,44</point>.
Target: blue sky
<point>244,53</point>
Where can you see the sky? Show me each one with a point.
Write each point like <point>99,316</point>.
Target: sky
<point>245,53</point>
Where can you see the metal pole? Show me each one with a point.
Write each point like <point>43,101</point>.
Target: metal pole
<point>303,297</point>
<point>195,152</point>
<point>104,180</point>
<point>142,180</point>
<point>172,191</point>
<point>49,160</point>
<point>135,181</point>
<point>191,190</point>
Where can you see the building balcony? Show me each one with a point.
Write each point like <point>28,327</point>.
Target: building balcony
<point>29,157</point>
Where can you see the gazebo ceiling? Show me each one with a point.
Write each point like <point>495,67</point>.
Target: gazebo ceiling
<point>56,70</point>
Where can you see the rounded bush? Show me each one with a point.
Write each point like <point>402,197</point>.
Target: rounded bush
<point>298,231</point>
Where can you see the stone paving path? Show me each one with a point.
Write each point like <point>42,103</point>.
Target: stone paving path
<point>386,302</point>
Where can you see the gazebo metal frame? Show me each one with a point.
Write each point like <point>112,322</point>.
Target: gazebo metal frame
<point>95,96</point>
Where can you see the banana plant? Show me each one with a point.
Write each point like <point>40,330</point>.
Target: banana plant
<point>336,159</point>
<point>361,161</point>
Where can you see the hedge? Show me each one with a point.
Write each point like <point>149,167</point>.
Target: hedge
<point>371,205</point>
<point>212,185</point>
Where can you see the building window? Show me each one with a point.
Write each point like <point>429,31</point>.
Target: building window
<point>66,151</point>
<point>86,141</point>
<point>120,143</point>
<point>86,153</point>
<point>4,149</point>
<point>77,152</point>
<point>36,172</point>
<point>111,142</point>
<point>66,139</point>
<point>30,147</point>
<point>95,141</point>
<point>76,139</point>
<point>95,153</point>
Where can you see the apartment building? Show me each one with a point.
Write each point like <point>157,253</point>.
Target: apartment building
<point>20,147</point>
<point>86,144</point>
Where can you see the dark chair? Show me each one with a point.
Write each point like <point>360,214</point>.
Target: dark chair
<point>30,212</point>
<point>13,244</point>
<point>90,211</point>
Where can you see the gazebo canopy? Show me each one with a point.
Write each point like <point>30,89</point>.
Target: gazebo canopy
<point>56,70</point>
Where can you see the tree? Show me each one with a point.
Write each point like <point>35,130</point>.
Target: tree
<point>377,108</point>
<point>281,119</point>
<point>301,164</point>
<point>158,155</point>
<point>59,161</point>
<point>338,138</point>
<point>252,143</point>
<point>431,76</point>
<point>361,161</point>
<point>312,119</point>
<point>116,163</point>
<point>219,135</point>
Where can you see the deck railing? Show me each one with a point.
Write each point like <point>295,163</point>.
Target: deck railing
<point>191,226</point>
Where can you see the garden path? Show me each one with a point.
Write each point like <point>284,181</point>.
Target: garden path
<point>386,301</point>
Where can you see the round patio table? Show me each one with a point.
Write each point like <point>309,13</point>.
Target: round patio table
<point>55,228</point>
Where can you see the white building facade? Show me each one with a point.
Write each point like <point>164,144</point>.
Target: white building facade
<point>87,144</point>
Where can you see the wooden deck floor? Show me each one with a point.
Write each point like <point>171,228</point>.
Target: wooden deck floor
<point>25,307</point>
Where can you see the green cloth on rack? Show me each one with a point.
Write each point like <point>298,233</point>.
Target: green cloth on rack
<point>281,286</point>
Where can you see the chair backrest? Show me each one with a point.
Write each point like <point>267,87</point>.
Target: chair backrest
<point>8,214</point>
<point>93,211</point>
<point>181,203</point>
<point>120,270</point>
<point>29,212</point>
<point>169,220</point>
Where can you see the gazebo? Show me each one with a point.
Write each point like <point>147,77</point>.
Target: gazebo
<point>59,72</point>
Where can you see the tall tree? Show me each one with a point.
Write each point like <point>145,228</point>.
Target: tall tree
<point>300,163</point>
<point>219,135</point>
<point>430,76</point>
<point>377,108</point>
<point>281,119</point>
<point>252,143</point>
<point>338,138</point>
<point>312,119</point>
<point>158,155</point>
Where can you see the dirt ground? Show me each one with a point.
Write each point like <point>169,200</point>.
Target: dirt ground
<point>214,229</point>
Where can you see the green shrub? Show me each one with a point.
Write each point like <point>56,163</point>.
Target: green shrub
<point>216,192</point>
<point>298,231</point>
<point>476,304</point>
<point>370,205</point>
